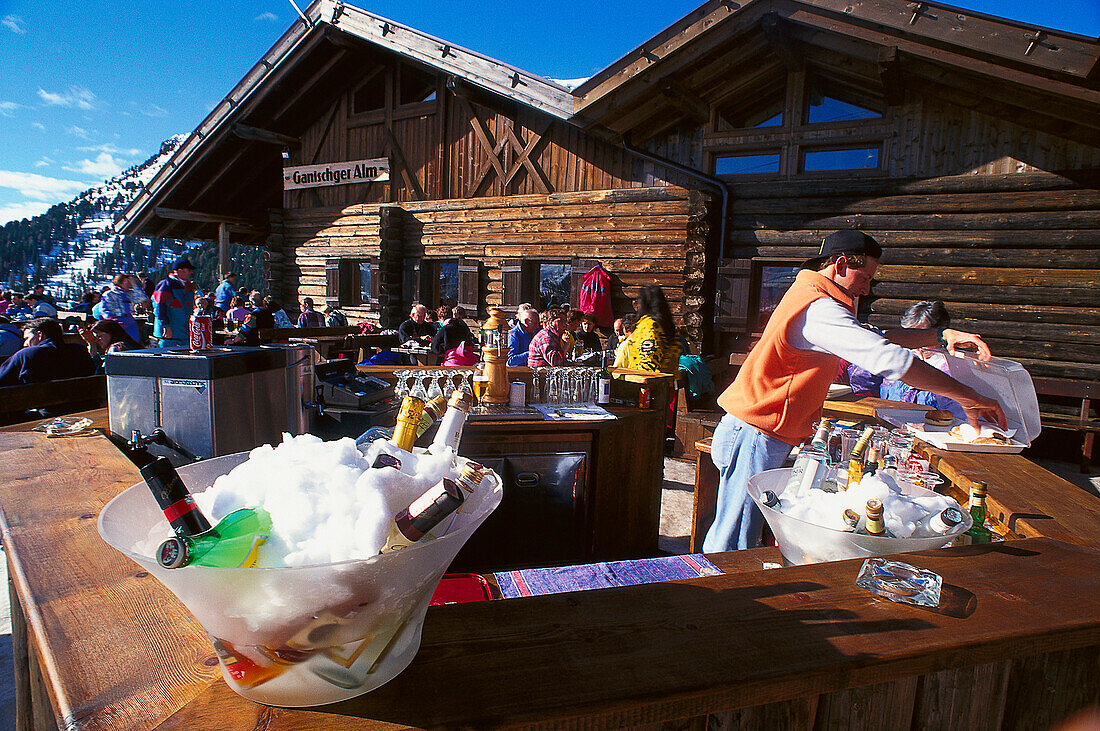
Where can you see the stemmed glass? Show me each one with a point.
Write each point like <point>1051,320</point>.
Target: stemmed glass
<point>434,391</point>
<point>418,390</point>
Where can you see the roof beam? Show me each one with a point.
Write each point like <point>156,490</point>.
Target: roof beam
<point>245,132</point>
<point>782,43</point>
<point>241,225</point>
<point>687,102</point>
<point>890,75</point>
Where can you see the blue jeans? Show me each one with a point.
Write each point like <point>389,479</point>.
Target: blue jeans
<point>739,451</point>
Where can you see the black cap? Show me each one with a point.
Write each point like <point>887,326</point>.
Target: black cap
<point>183,263</point>
<point>844,242</point>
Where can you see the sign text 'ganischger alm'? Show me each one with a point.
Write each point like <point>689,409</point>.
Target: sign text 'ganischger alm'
<point>336,173</point>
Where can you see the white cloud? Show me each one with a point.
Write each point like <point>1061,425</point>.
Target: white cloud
<point>111,149</point>
<point>104,166</point>
<point>18,211</point>
<point>76,96</point>
<point>43,162</point>
<point>78,132</point>
<point>268,16</point>
<point>152,110</point>
<point>39,187</point>
<point>14,23</point>
<point>6,108</point>
<point>39,126</point>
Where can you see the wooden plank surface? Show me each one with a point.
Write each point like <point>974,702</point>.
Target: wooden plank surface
<point>647,654</point>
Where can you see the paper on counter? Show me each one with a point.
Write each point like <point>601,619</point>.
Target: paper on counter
<point>559,412</point>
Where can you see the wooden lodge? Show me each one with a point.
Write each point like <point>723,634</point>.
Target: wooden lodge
<point>710,160</point>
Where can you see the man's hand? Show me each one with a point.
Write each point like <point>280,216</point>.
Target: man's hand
<point>955,338</point>
<point>979,407</point>
<point>166,333</point>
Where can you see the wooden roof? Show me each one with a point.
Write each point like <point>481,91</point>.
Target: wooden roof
<point>1045,78</point>
<point>723,52</point>
<point>225,171</point>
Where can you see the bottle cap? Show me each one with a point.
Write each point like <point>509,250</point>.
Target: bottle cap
<point>978,488</point>
<point>172,554</point>
<point>461,400</point>
<point>386,460</point>
<point>951,517</point>
<point>874,508</point>
<point>769,498</point>
<point>471,473</point>
<point>851,517</point>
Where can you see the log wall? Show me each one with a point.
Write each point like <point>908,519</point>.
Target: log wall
<point>640,235</point>
<point>1015,257</point>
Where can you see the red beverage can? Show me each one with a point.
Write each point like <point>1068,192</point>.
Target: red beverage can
<point>643,398</point>
<point>202,332</point>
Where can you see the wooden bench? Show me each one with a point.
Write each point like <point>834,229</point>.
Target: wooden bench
<point>62,397</point>
<point>1077,418</point>
<point>275,334</point>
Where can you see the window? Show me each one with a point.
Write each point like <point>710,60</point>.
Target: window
<point>855,158</point>
<point>448,283</point>
<point>828,101</point>
<point>771,280</point>
<point>553,284</point>
<point>414,86</point>
<point>750,164</point>
<point>352,282</point>
<point>371,96</point>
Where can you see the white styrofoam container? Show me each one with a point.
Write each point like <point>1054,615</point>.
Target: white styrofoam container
<point>1004,380</point>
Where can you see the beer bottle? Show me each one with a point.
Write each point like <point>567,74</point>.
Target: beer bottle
<point>875,525</point>
<point>232,543</point>
<point>423,514</point>
<point>977,533</point>
<point>855,462</point>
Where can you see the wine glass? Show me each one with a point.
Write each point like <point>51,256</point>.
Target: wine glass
<point>418,390</point>
<point>434,391</point>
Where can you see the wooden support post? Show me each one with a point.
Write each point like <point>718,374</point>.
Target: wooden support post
<point>223,250</point>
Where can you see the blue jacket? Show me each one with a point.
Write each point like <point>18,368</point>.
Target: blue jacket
<point>48,361</point>
<point>519,341</point>
<point>173,301</point>
<point>223,295</point>
<point>11,340</point>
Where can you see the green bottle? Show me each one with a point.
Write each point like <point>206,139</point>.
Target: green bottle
<point>232,543</point>
<point>977,533</point>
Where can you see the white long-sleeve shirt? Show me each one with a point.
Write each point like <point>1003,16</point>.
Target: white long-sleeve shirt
<point>826,326</point>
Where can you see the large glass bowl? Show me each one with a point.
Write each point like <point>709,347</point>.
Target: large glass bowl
<point>302,636</point>
<point>801,542</point>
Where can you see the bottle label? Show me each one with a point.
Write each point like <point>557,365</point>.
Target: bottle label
<point>604,395</point>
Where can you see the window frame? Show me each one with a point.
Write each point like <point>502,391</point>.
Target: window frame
<point>756,275</point>
<point>343,282</point>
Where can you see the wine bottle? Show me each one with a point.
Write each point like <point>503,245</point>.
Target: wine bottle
<point>977,533</point>
<point>855,462</point>
<point>451,425</point>
<point>944,521</point>
<point>811,464</point>
<point>603,383</point>
<point>423,514</point>
<point>174,498</point>
<point>408,422</point>
<point>232,543</point>
<point>470,477</point>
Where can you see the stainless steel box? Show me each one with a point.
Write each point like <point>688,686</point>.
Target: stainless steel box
<point>214,402</point>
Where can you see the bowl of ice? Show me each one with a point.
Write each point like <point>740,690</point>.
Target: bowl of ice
<point>323,616</point>
<point>811,528</point>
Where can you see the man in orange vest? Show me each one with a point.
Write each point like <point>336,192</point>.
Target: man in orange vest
<point>779,391</point>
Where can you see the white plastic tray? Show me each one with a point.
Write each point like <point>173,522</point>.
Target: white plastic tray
<point>938,437</point>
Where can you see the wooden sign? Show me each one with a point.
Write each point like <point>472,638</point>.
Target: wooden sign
<point>336,173</point>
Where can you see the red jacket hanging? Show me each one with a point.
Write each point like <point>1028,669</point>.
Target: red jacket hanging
<point>595,295</point>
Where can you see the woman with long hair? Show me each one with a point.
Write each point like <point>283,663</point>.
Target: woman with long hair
<point>653,346</point>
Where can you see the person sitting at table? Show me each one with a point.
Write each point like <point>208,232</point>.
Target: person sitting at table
<point>11,338</point>
<point>629,322</point>
<point>40,307</point>
<point>45,356</point>
<point>18,309</point>
<point>334,318</point>
<point>546,347</point>
<point>278,314</point>
<point>258,319</point>
<point>117,304</point>
<point>5,300</point>
<point>106,336</point>
<point>454,341</point>
<point>417,329</point>
<point>310,317</point>
<point>237,313</point>
<point>519,337</point>
<point>587,335</point>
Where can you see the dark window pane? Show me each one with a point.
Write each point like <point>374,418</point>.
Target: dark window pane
<point>774,283</point>
<point>554,284</point>
<point>364,281</point>
<point>775,121</point>
<point>370,96</point>
<point>830,109</point>
<point>864,158</point>
<point>416,86</point>
<point>448,283</point>
<point>760,107</point>
<point>767,162</point>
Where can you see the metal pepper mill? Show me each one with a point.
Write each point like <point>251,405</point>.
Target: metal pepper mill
<point>494,354</point>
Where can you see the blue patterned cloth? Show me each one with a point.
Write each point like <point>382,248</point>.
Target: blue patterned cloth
<point>534,582</point>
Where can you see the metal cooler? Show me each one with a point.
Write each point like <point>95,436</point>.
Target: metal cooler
<point>213,402</point>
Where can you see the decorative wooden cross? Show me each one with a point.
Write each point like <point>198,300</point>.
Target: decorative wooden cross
<point>496,158</point>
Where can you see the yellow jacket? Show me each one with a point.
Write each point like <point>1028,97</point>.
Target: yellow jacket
<point>647,349</point>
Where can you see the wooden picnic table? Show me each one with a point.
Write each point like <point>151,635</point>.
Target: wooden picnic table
<point>100,644</point>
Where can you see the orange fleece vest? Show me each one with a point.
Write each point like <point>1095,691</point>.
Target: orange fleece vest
<point>780,389</point>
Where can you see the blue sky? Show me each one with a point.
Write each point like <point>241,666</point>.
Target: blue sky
<point>88,89</point>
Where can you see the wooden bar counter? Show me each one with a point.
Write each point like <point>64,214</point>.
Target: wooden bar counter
<point>101,644</point>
